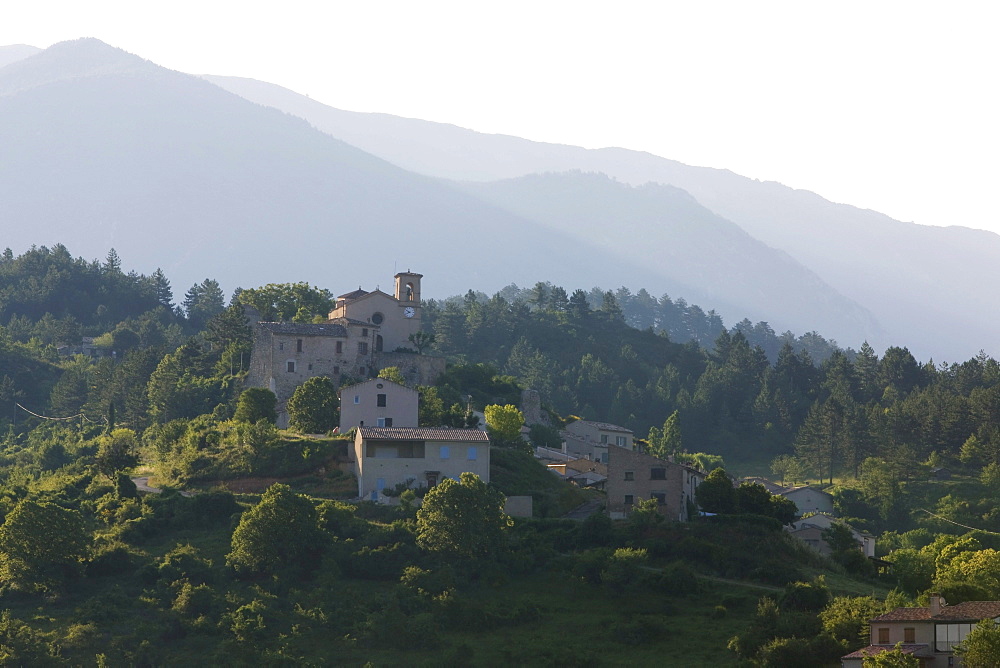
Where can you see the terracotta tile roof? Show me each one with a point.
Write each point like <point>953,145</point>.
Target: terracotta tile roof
<point>872,650</point>
<point>304,329</point>
<point>354,295</point>
<point>422,434</point>
<point>904,615</point>
<point>972,611</point>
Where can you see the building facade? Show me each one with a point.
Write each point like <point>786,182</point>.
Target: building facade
<point>364,330</point>
<point>378,403</point>
<point>929,633</point>
<point>420,457</point>
<point>591,440</point>
<point>636,476</point>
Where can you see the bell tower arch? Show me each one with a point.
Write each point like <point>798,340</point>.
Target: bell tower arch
<point>408,289</point>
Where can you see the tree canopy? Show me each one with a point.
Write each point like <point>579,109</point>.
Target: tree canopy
<point>463,518</point>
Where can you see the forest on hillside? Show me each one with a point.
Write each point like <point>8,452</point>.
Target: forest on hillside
<point>912,448</point>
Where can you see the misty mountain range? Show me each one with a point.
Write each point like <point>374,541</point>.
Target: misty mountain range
<point>250,183</point>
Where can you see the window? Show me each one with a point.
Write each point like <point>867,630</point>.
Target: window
<point>377,318</point>
<point>909,636</point>
<point>620,441</point>
<point>290,367</point>
<point>336,370</point>
<point>660,497</point>
<point>630,475</point>
<point>388,422</point>
<point>281,345</point>
<point>445,452</point>
<point>357,399</point>
<point>883,636</point>
<point>362,371</point>
<point>472,454</point>
<point>362,347</point>
<point>364,332</point>
<point>380,400</point>
<point>604,439</point>
<point>629,499</point>
<point>310,367</point>
<point>384,422</point>
<point>298,345</point>
<point>658,474</point>
<point>340,347</point>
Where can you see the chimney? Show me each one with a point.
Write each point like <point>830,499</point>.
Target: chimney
<point>937,603</point>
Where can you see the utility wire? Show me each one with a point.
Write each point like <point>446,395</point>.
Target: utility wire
<point>45,417</point>
<point>964,526</point>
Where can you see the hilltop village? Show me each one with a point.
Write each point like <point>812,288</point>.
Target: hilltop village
<point>377,477</point>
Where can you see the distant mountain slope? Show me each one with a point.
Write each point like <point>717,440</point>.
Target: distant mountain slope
<point>932,288</point>
<point>14,52</point>
<point>104,149</point>
<point>711,259</point>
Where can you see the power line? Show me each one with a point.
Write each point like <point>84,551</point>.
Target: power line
<point>61,419</point>
<point>964,526</point>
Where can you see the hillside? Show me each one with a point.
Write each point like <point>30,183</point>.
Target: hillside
<point>104,149</point>
<point>929,287</point>
<point>175,172</point>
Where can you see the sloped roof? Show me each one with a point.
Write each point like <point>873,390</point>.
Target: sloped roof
<point>969,611</point>
<point>354,295</point>
<point>375,381</point>
<point>304,329</point>
<point>872,650</point>
<point>604,426</point>
<point>422,434</point>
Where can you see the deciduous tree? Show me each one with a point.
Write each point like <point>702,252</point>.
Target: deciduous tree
<point>312,408</point>
<point>41,546</point>
<point>463,518</point>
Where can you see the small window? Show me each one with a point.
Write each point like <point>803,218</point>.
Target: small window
<point>380,422</point>
<point>620,441</point>
<point>364,332</point>
<point>362,348</point>
<point>604,439</point>
<point>883,636</point>
<point>340,347</point>
<point>629,499</point>
<point>380,400</point>
<point>357,399</point>
<point>445,452</point>
<point>310,367</point>
<point>362,371</point>
<point>472,454</point>
<point>290,367</point>
<point>388,422</point>
<point>298,345</point>
<point>630,475</point>
<point>658,474</point>
<point>377,318</point>
<point>660,497</point>
<point>910,636</point>
<point>281,345</point>
<point>336,370</point>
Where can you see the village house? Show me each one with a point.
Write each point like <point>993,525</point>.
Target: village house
<point>636,476</point>
<point>590,440</point>
<point>810,531</point>
<point>420,457</point>
<point>928,633</point>
<point>365,332</point>
<point>809,500</point>
<point>378,403</point>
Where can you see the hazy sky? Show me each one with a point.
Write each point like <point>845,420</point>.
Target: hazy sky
<point>887,105</point>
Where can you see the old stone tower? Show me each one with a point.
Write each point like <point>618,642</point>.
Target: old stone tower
<point>363,334</point>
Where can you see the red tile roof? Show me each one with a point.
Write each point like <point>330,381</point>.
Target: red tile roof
<point>422,434</point>
<point>872,650</point>
<point>970,611</point>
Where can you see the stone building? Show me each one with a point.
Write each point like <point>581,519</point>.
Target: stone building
<point>361,336</point>
<point>378,403</point>
<point>385,457</point>
<point>636,476</point>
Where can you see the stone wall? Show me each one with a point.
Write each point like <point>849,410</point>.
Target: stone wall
<point>416,369</point>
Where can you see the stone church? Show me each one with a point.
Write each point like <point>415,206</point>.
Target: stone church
<point>365,332</point>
